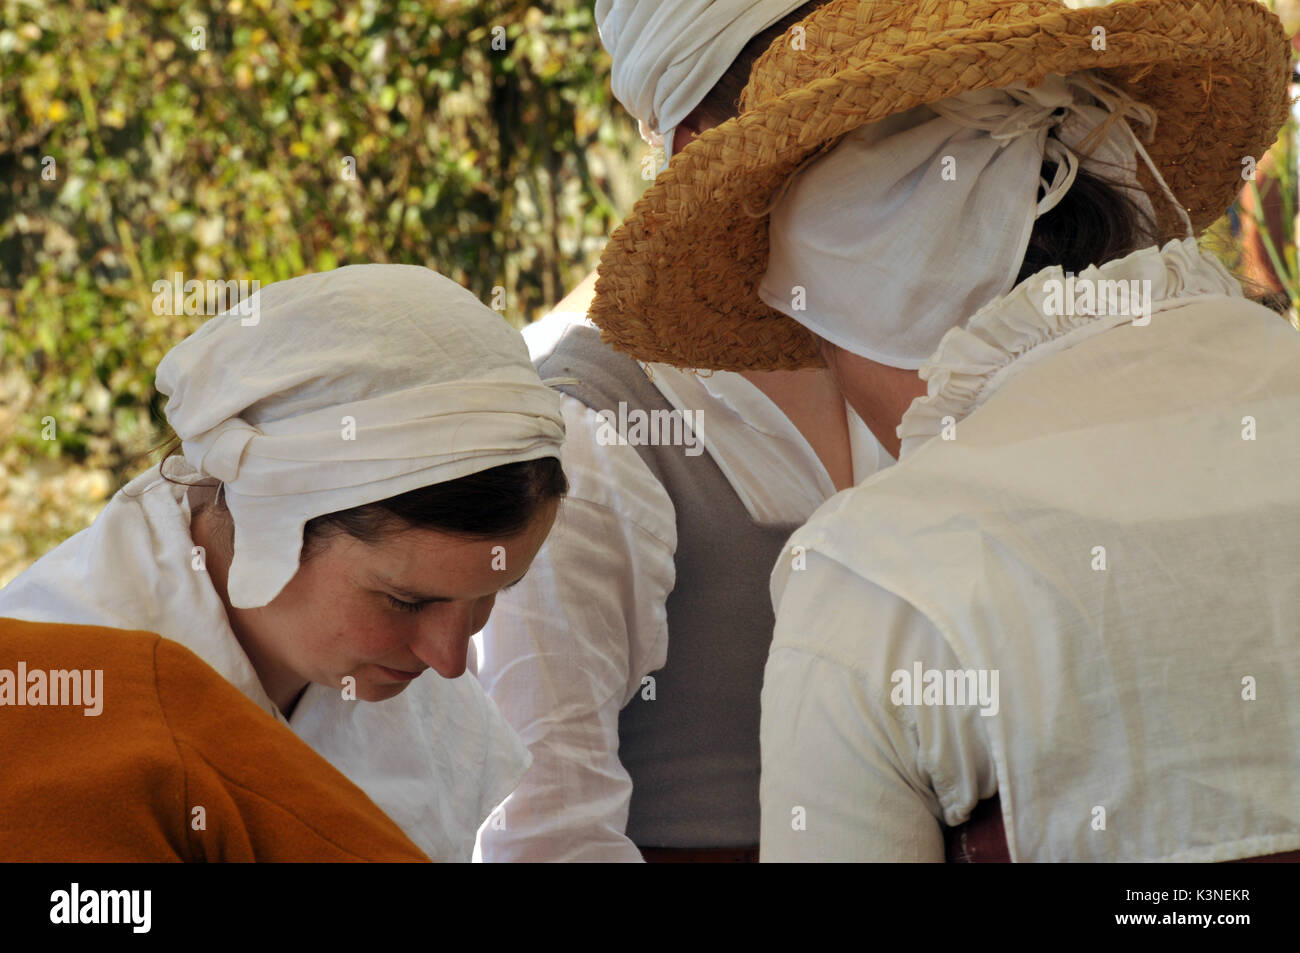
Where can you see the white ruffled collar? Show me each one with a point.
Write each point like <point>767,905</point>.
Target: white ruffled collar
<point>1017,330</point>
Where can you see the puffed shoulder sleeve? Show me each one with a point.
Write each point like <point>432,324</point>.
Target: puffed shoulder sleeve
<point>566,649</point>
<point>847,774</point>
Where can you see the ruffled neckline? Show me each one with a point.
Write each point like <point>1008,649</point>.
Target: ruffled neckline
<point>1016,330</point>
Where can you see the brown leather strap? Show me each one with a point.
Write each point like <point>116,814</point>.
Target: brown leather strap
<point>983,839</point>
<point>699,855</point>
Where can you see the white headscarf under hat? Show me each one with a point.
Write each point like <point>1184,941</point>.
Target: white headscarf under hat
<point>890,253</point>
<point>667,54</point>
<point>352,386</point>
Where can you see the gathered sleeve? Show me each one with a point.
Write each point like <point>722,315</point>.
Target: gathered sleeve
<point>846,774</point>
<point>565,650</point>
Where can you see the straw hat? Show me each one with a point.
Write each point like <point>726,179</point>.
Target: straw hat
<point>677,280</point>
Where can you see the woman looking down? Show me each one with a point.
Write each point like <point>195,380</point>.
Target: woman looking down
<point>365,464</point>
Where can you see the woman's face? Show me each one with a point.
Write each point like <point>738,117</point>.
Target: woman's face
<point>383,613</point>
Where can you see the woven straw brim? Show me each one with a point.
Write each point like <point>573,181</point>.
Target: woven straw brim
<point>676,282</point>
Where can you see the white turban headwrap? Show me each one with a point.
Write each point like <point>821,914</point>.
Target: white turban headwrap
<point>348,387</point>
<point>911,224</point>
<point>667,54</point>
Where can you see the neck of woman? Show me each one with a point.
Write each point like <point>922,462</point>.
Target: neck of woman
<point>280,683</point>
<point>878,393</point>
<point>812,402</point>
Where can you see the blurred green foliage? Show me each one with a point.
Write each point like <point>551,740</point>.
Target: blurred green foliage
<point>262,139</point>
<point>493,166</point>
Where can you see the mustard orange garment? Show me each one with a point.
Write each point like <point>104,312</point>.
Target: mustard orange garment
<point>172,736</point>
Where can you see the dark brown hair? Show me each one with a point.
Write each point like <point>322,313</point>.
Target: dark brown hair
<point>1094,222</point>
<point>492,504</point>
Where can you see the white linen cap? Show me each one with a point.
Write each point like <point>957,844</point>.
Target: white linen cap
<point>667,54</point>
<point>911,224</point>
<point>349,386</point>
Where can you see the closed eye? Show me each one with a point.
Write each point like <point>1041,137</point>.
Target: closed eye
<point>406,606</point>
<point>403,606</point>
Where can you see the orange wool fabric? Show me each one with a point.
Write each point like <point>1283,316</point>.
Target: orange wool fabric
<point>173,735</point>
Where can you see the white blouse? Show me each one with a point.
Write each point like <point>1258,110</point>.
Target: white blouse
<point>566,648</point>
<point>436,758</point>
<point>1123,561</point>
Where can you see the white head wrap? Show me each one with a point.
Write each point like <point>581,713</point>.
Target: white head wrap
<point>911,224</point>
<point>352,386</point>
<point>667,54</point>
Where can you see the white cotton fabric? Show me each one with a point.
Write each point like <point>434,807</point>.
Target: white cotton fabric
<point>567,647</point>
<point>667,54</point>
<point>351,386</point>
<point>947,190</point>
<point>436,758</point>
<point>1119,689</point>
